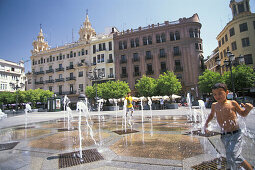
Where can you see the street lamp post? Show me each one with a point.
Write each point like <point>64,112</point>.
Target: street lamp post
<point>95,75</point>
<point>16,87</point>
<point>229,62</point>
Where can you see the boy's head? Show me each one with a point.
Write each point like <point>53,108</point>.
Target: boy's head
<point>128,93</point>
<point>220,85</point>
<point>220,92</point>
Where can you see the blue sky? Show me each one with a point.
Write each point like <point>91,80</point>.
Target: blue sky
<point>21,19</point>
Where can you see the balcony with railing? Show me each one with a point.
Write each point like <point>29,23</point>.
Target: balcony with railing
<point>148,57</point>
<point>68,92</point>
<point>70,67</point>
<point>124,75</point>
<point>177,53</point>
<point>49,81</point>
<point>39,72</point>
<point>163,71</point>
<point>111,76</point>
<point>60,80</point>
<point>70,78</point>
<point>135,59</point>
<point>80,64</point>
<point>136,74</point>
<point>50,71</point>
<point>123,61</point>
<point>110,61</point>
<point>150,72</point>
<point>178,69</point>
<point>60,69</point>
<point>39,82</point>
<point>162,55</point>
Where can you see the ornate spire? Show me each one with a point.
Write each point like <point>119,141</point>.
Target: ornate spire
<point>86,31</point>
<point>40,44</point>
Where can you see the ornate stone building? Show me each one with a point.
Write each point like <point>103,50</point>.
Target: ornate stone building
<point>64,69</point>
<point>175,46</point>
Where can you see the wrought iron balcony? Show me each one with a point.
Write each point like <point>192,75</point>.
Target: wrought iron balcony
<point>60,80</point>
<point>162,55</point>
<point>70,78</point>
<point>148,57</point>
<point>177,53</point>
<point>162,71</point>
<point>110,61</point>
<point>124,75</point>
<point>136,74</point>
<point>49,81</point>
<point>39,82</point>
<point>111,76</point>
<point>149,72</point>
<point>39,72</point>
<point>60,69</point>
<point>69,67</point>
<point>123,61</point>
<point>50,71</point>
<point>135,59</point>
<point>178,69</point>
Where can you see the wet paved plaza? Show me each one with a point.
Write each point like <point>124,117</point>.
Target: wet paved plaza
<point>160,142</point>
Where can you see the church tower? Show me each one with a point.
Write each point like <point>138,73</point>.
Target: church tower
<point>239,7</point>
<point>40,44</point>
<point>86,31</point>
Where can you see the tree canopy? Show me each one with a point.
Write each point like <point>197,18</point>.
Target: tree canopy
<point>108,90</point>
<point>168,84</point>
<point>146,86</point>
<point>243,77</point>
<point>208,79</point>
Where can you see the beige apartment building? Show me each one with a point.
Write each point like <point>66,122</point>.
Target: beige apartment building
<point>175,46</point>
<point>102,55</point>
<point>65,69</point>
<point>12,76</point>
<point>238,36</point>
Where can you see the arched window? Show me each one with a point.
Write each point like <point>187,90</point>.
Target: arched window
<point>137,42</point>
<point>172,36</point>
<point>145,41</point>
<point>132,43</point>
<point>150,39</point>
<point>191,33</point>
<point>120,45</point>
<point>177,35</point>
<point>196,33</point>
<point>163,37</point>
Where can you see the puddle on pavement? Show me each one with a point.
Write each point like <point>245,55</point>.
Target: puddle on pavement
<point>20,134</point>
<point>162,146</point>
<point>66,140</point>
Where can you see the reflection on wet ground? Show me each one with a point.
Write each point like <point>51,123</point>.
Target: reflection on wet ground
<point>162,146</point>
<point>160,137</point>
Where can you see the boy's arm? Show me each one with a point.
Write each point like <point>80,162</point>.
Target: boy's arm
<point>243,112</point>
<point>210,117</point>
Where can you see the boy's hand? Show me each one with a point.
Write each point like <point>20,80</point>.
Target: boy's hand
<point>247,106</point>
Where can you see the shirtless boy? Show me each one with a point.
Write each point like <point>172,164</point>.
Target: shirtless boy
<point>226,115</point>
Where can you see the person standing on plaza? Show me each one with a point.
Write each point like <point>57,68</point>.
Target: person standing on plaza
<point>226,115</point>
<point>129,104</point>
<point>162,103</point>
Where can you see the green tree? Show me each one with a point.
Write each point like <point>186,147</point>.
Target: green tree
<point>146,86</point>
<point>168,84</point>
<point>207,80</point>
<point>110,89</point>
<point>89,91</point>
<point>243,77</point>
